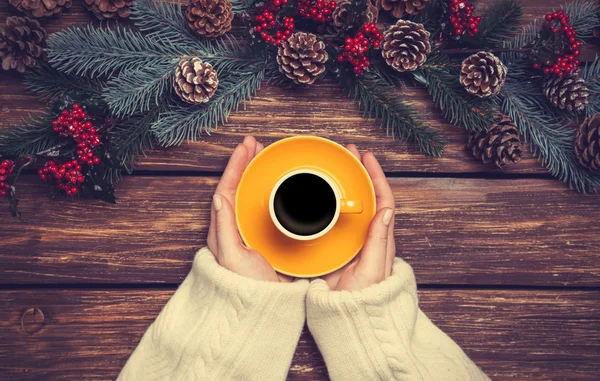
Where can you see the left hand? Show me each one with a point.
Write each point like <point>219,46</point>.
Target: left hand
<point>223,237</point>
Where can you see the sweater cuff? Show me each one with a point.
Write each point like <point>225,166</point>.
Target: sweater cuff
<point>334,302</point>
<point>379,333</point>
<point>220,325</point>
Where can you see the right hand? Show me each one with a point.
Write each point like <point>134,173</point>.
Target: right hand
<point>374,262</point>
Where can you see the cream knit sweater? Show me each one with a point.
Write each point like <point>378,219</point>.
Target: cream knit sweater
<point>221,326</point>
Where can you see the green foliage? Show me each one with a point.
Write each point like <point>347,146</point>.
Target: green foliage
<point>551,140</point>
<point>132,138</point>
<point>136,91</point>
<point>162,19</point>
<point>379,102</point>
<point>34,135</point>
<point>185,122</point>
<point>48,83</point>
<point>591,75</point>
<point>500,21</point>
<point>584,16</point>
<point>100,52</point>
<point>440,76</point>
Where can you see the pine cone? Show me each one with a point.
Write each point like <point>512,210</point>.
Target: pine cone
<point>22,43</point>
<point>405,45</point>
<point>195,81</point>
<point>483,74</point>
<point>339,17</point>
<point>401,7</point>
<point>302,58</point>
<point>587,143</point>
<point>567,93</point>
<point>109,9</point>
<point>500,144</point>
<point>209,18</point>
<point>41,8</point>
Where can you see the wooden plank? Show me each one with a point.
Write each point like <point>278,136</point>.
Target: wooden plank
<point>89,334</point>
<point>453,231</point>
<point>276,113</point>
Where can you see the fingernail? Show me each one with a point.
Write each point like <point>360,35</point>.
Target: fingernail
<point>217,202</point>
<point>387,217</point>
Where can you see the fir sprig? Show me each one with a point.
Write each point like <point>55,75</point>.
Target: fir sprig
<point>185,122</point>
<point>458,107</point>
<point>378,101</point>
<point>551,140</point>
<point>500,21</point>
<point>136,91</point>
<point>584,16</point>
<point>162,19</point>
<point>34,135</point>
<point>591,76</point>
<point>49,83</point>
<point>132,139</point>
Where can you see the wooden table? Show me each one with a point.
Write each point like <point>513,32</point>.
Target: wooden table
<point>508,262</point>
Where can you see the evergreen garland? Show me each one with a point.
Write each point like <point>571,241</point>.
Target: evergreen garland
<point>125,77</point>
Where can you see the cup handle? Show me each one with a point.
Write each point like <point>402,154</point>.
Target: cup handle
<point>351,206</point>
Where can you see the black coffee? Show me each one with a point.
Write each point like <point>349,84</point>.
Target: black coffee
<point>304,204</point>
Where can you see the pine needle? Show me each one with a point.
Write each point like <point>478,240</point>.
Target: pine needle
<point>377,100</point>
<point>591,76</point>
<point>501,20</point>
<point>458,107</point>
<point>34,135</point>
<point>48,83</point>
<point>551,140</point>
<point>185,122</point>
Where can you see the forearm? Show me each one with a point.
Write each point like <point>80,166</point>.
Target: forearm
<point>379,333</point>
<point>221,326</point>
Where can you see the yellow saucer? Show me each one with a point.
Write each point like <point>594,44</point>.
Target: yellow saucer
<point>305,259</point>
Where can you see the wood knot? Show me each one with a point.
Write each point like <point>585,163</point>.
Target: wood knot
<point>33,320</point>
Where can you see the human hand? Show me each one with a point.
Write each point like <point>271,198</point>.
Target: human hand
<point>223,237</point>
<point>374,262</point>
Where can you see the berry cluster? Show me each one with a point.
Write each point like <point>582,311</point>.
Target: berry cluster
<point>357,47</point>
<point>566,62</point>
<point>75,123</point>
<point>462,19</point>
<point>316,10</point>
<point>265,23</point>
<point>6,168</point>
<point>67,175</point>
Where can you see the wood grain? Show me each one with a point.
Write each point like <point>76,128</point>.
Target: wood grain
<point>275,113</point>
<point>453,231</point>
<point>89,334</point>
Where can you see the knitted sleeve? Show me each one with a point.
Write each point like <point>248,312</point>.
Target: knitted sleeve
<point>380,333</point>
<point>221,326</point>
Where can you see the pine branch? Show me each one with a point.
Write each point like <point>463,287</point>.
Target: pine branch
<point>377,100</point>
<point>101,52</point>
<point>591,75</point>
<point>458,107</point>
<point>136,91</point>
<point>33,136</point>
<point>241,6</point>
<point>163,19</point>
<point>552,141</point>
<point>49,83</point>
<point>188,122</point>
<point>500,21</point>
<point>132,138</point>
<point>584,17</point>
